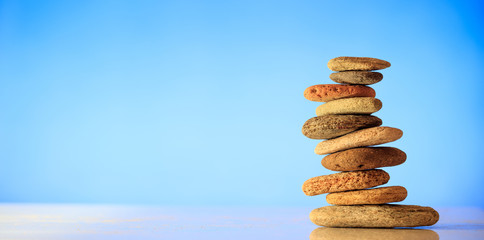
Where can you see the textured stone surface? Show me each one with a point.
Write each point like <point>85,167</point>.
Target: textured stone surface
<point>357,63</point>
<point>360,138</point>
<point>364,158</point>
<point>374,216</point>
<point>330,126</point>
<point>329,92</point>
<point>345,181</point>
<point>356,105</point>
<point>356,77</point>
<point>368,196</point>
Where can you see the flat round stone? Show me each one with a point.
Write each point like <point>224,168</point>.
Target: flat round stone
<point>356,105</point>
<point>356,77</point>
<point>360,138</point>
<point>340,64</point>
<point>364,158</point>
<point>374,216</point>
<point>330,126</point>
<point>368,196</point>
<point>345,181</point>
<point>329,92</point>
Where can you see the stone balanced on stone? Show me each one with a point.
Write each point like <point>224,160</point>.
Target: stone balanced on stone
<point>350,131</point>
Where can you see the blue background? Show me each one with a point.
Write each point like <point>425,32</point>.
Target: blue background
<point>200,103</point>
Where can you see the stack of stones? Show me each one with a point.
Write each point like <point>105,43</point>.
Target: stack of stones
<point>346,122</point>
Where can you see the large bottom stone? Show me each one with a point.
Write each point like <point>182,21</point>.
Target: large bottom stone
<point>374,216</point>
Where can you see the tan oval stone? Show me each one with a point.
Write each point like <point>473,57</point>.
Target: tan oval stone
<point>345,181</point>
<point>374,216</point>
<point>368,196</point>
<point>357,63</point>
<point>360,138</point>
<point>356,105</point>
<point>329,126</point>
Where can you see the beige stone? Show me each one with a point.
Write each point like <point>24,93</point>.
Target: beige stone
<point>357,63</point>
<point>360,138</point>
<point>374,216</point>
<point>368,196</point>
<point>356,105</point>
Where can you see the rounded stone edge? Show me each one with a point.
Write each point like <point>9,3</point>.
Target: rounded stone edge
<point>346,63</point>
<point>333,126</point>
<point>338,161</point>
<point>328,91</point>
<point>332,108</point>
<point>430,217</point>
<point>373,196</point>
<point>340,141</point>
<point>376,177</point>
<point>357,77</point>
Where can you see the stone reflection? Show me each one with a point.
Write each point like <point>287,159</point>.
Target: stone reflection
<point>372,233</point>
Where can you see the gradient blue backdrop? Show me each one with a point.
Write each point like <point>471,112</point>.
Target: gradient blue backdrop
<point>200,102</point>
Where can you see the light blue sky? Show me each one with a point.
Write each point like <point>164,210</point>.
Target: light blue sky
<point>200,102</point>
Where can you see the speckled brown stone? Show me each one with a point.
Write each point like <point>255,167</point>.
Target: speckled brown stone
<point>360,138</point>
<point>327,233</point>
<point>356,105</point>
<point>374,216</point>
<point>329,92</point>
<point>364,158</point>
<point>368,196</point>
<point>340,64</point>
<point>356,77</point>
<point>345,181</point>
<point>329,126</point>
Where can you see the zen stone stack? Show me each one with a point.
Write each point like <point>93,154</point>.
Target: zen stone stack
<point>350,132</point>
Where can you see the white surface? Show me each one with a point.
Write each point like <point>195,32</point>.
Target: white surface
<point>49,221</point>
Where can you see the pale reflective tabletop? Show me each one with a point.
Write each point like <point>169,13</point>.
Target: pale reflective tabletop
<point>52,221</point>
